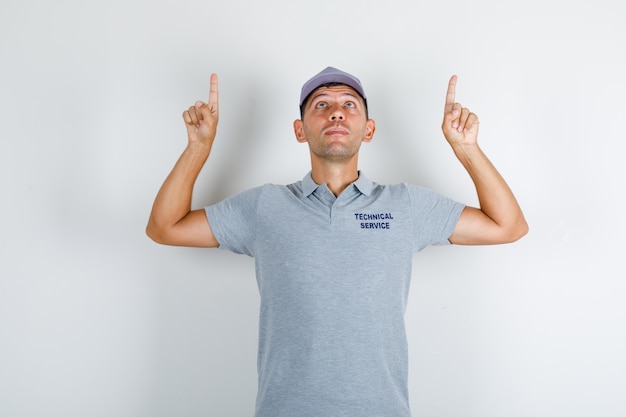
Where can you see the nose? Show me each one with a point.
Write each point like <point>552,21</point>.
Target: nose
<point>337,114</point>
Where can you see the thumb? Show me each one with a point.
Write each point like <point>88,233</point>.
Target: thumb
<point>208,111</point>
<point>202,110</point>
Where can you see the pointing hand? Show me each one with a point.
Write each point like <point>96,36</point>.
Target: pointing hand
<point>460,126</point>
<point>201,118</point>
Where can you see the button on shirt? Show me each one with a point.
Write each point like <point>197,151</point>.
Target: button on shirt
<point>333,276</point>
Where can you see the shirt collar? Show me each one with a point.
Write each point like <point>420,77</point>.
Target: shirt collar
<point>308,185</point>
<point>363,184</point>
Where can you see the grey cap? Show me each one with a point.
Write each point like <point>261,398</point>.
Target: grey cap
<point>331,75</point>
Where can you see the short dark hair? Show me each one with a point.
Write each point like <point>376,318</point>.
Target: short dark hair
<point>333,84</point>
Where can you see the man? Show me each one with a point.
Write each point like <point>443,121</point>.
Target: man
<point>333,252</point>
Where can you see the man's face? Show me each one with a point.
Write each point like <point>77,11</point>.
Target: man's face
<point>334,123</point>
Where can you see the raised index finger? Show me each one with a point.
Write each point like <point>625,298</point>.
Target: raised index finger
<point>213,95</point>
<point>450,95</point>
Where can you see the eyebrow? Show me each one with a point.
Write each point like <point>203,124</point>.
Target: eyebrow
<point>318,95</point>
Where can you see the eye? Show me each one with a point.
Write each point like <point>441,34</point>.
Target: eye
<point>321,105</point>
<point>350,104</point>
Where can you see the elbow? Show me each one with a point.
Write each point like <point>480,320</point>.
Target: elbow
<point>511,233</point>
<point>155,233</point>
<point>524,231</point>
<point>519,231</point>
<point>152,234</point>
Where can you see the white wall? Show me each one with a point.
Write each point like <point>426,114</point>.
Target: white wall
<point>96,320</point>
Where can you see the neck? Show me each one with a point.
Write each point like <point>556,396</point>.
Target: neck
<point>336,176</point>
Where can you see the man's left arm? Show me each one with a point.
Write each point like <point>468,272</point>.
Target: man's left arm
<point>499,218</point>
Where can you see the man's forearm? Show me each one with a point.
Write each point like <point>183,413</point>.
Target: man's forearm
<point>494,195</point>
<point>173,200</point>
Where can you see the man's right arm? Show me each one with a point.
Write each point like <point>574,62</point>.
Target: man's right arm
<point>172,222</point>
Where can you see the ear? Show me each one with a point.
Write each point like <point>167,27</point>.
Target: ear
<point>298,129</point>
<point>370,128</point>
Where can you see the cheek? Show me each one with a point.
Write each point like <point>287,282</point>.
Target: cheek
<point>307,132</point>
<point>310,126</point>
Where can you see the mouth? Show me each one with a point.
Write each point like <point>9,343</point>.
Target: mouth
<point>336,130</point>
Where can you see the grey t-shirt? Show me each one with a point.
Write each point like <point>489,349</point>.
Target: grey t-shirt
<point>333,276</point>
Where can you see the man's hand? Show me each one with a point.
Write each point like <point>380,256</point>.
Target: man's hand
<point>201,118</point>
<point>460,126</point>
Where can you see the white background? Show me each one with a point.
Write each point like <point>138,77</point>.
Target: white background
<point>97,320</point>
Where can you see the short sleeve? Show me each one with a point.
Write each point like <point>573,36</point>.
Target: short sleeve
<point>434,216</point>
<point>233,221</point>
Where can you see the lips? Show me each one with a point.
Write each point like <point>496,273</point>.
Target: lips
<point>336,130</point>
